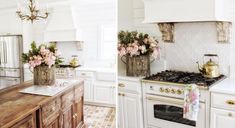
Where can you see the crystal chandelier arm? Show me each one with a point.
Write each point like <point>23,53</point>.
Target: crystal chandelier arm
<point>43,17</point>
<point>22,17</point>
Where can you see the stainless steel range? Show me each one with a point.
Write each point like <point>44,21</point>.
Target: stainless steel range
<point>164,98</point>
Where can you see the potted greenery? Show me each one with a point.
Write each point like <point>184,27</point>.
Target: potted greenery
<point>135,50</point>
<point>42,61</point>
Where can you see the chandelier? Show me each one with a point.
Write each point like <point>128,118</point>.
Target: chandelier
<point>34,13</point>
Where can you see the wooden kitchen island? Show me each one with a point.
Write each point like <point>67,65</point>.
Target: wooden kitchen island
<point>63,110</point>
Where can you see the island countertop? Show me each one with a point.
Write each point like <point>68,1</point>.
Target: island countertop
<point>15,106</point>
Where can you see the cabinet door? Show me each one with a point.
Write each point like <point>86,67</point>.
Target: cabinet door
<point>88,90</point>
<point>222,118</point>
<point>78,113</point>
<point>120,115</point>
<point>103,94</point>
<point>114,95</point>
<point>28,122</point>
<point>131,110</point>
<point>54,124</point>
<point>67,118</point>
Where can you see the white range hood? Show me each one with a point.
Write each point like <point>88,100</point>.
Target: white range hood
<point>62,25</point>
<point>157,11</point>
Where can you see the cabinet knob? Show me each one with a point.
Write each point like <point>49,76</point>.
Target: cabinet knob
<point>167,90</point>
<point>161,89</point>
<point>121,94</point>
<point>230,114</point>
<point>230,102</point>
<point>179,92</point>
<point>173,91</point>
<point>121,85</point>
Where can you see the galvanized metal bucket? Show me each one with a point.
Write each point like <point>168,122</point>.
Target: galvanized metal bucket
<point>43,75</point>
<point>137,65</point>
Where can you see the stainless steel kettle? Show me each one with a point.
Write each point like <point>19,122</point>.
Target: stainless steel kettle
<point>210,69</point>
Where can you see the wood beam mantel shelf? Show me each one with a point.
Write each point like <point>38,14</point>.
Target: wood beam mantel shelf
<point>167,30</point>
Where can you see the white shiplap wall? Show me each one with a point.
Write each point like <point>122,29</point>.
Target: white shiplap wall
<point>192,40</point>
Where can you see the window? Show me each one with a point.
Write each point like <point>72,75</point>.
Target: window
<point>107,42</point>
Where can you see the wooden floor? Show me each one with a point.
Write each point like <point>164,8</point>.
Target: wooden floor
<point>99,117</point>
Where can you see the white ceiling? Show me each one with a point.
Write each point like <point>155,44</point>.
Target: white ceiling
<point>13,3</point>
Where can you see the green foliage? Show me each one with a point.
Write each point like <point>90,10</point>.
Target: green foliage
<point>126,37</point>
<point>35,51</point>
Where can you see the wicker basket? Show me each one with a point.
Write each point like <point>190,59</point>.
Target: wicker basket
<point>43,75</point>
<point>137,65</point>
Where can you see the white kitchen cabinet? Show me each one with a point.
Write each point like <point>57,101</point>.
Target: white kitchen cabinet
<point>88,84</point>
<point>88,90</point>
<point>222,106</point>
<point>121,119</point>
<point>222,118</point>
<point>130,103</point>
<point>186,10</point>
<point>98,90</point>
<point>104,92</point>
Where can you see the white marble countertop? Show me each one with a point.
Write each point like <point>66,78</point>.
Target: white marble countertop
<point>60,85</point>
<point>97,69</point>
<point>226,86</point>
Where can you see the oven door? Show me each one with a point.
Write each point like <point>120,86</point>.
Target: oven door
<point>165,112</point>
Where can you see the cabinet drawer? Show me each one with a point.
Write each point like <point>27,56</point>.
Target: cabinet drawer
<point>84,74</point>
<point>28,122</point>
<point>78,92</point>
<point>129,86</point>
<point>50,111</point>
<point>223,101</point>
<point>67,99</point>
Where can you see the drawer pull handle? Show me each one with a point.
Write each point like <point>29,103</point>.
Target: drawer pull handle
<point>230,102</point>
<point>83,74</point>
<point>121,94</point>
<point>121,85</point>
<point>230,114</point>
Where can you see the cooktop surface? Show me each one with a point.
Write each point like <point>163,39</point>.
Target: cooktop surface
<point>184,78</point>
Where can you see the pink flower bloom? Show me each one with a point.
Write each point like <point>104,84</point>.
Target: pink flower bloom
<point>32,64</point>
<point>133,50</point>
<point>122,51</point>
<point>44,51</point>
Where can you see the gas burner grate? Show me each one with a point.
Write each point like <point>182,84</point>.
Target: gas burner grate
<point>184,78</point>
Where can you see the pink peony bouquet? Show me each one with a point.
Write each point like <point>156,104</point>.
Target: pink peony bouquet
<point>42,56</point>
<point>135,44</point>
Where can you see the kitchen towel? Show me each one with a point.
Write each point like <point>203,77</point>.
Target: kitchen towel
<point>191,102</point>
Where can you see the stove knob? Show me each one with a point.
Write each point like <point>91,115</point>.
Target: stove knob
<point>173,91</point>
<point>179,92</point>
<point>167,90</point>
<point>161,89</point>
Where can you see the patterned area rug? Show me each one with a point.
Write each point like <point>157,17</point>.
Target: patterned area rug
<point>99,117</point>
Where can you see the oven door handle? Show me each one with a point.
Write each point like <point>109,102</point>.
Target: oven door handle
<point>168,100</point>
